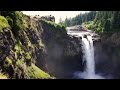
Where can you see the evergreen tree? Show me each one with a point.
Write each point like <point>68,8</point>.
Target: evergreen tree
<point>116,20</point>
<point>80,18</point>
<point>60,21</point>
<point>107,25</point>
<point>100,21</point>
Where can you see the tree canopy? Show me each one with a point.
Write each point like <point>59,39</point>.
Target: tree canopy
<point>80,18</point>
<point>99,21</point>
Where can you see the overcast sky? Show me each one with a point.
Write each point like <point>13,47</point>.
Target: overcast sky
<point>57,14</point>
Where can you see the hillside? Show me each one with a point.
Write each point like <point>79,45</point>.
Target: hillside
<point>35,49</point>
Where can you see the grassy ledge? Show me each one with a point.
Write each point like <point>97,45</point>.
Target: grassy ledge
<point>35,73</point>
<point>2,76</point>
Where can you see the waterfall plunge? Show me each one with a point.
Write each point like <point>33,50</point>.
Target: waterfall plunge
<point>88,52</point>
<point>88,57</point>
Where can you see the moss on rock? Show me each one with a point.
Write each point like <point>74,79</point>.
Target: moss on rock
<point>3,76</point>
<point>7,62</point>
<point>35,73</point>
<point>3,23</point>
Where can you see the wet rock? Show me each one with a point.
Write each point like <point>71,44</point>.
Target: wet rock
<point>85,36</point>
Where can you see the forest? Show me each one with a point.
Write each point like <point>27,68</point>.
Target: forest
<point>99,21</point>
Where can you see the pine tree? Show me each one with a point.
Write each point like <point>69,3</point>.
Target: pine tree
<point>107,25</point>
<point>80,18</point>
<point>116,20</point>
<point>60,21</point>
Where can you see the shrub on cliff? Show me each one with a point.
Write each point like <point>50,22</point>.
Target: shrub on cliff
<point>57,28</point>
<point>2,76</point>
<point>16,20</point>
<point>88,25</point>
<point>3,23</point>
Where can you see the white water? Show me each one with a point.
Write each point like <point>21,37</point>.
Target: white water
<point>88,56</point>
<point>88,51</point>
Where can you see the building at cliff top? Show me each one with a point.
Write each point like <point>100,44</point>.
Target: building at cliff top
<point>48,18</point>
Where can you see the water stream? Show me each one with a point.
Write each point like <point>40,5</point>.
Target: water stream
<point>88,57</point>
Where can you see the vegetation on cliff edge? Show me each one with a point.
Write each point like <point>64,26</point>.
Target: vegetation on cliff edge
<point>3,23</point>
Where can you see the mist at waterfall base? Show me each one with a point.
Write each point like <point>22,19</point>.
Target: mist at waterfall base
<point>88,58</point>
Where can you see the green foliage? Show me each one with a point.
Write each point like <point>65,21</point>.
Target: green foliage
<point>107,25</point>
<point>3,23</point>
<point>58,26</point>
<point>7,62</point>
<point>17,47</point>
<point>88,25</point>
<point>10,20</point>
<point>27,56</point>
<point>79,19</point>
<point>3,76</point>
<point>35,73</point>
<point>60,21</point>
<point>99,21</point>
<point>16,20</point>
<point>67,22</point>
<point>55,27</point>
<point>19,22</point>
<point>116,20</point>
<point>19,63</point>
<point>40,43</point>
<point>107,21</point>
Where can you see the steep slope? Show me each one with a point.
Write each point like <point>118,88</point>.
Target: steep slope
<point>108,54</point>
<point>18,48</point>
<point>64,54</point>
<point>36,49</point>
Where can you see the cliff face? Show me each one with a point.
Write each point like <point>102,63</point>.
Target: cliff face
<point>40,48</point>
<point>107,54</point>
<point>64,54</point>
<point>19,52</point>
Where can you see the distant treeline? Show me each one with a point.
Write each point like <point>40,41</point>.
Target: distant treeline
<point>99,21</point>
<point>79,19</point>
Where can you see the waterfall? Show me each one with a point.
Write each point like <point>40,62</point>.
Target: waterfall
<point>88,51</point>
<point>88,57</point>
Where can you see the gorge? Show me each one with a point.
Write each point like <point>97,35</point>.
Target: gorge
<point>32,48</point>
<point>88,57</point>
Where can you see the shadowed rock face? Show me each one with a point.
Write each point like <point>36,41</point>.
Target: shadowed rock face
<point>7,42</point>
<point>107,55</point>
<point>85,36</point>
<point>64,54</point>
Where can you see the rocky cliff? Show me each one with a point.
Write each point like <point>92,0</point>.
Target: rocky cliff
<point>64,54</point>
<point>18,50</point>
<point>107,54</point>
<point>37,49</point>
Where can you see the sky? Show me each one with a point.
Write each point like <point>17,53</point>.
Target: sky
<point>57,14</point>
